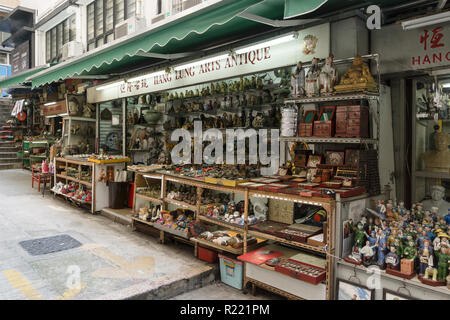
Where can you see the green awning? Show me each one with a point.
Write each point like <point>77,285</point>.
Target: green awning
<point>295,8</point>
<point>165,39</point>
<point>18,80</point>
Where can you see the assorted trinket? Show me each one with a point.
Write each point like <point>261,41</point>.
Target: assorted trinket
<point>405,242</point>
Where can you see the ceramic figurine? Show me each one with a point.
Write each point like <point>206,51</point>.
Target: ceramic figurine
<point>443,256</point>
<point>298,81</point>
<point>312,79</point>
<point>393,260</point>
<point>328,76</point>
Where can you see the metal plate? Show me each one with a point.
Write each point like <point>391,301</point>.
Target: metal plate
<point>48,245</point>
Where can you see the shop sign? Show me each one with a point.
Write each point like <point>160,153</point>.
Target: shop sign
<point>422,48</point>
<point>20,58</point>
<point>311,42</point>
<point>60,107</point>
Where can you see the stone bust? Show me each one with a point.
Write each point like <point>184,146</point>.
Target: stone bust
<point>437,195</point>
<point>438,160</point>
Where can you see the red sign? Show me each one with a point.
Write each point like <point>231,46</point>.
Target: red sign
<point>51,110</point>
<point>432,41</point>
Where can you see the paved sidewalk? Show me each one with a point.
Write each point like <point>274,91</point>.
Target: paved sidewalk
<point>112,262</point>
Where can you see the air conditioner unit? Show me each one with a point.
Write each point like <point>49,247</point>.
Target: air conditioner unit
<point>129,26</point>
<point>72,49</point>
<point>190,3</point>
<point>159,18</point>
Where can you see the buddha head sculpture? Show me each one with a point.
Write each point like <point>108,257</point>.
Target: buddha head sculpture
<point>437,192</point>
<point>441,141</point>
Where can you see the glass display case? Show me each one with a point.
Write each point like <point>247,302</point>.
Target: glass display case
<point>430,143</point>
<point>111,127</point>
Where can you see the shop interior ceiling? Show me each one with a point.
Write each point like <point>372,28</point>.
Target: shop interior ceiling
<point>217,27</point>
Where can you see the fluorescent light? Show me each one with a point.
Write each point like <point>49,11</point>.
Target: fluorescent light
<point>446,85</point>
<point>50,104</point>
<point>266,44</point>
<point>111,85</point>
<point>146,76</point>
<point>197,63</point>
<point>426,21</point>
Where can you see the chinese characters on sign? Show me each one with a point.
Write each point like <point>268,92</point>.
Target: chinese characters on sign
<point>431,41</point>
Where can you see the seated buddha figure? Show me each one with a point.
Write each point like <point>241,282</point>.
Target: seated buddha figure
<point>358,76</point>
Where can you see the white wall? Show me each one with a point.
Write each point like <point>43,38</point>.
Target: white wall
<point>40,6</point>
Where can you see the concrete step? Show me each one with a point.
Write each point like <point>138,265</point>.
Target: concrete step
<point>8,155</point>
<point>10,149</point>
<point>8,166</point>
<point>9,160</point>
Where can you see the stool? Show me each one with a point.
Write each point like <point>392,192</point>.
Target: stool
<point>39,177</point>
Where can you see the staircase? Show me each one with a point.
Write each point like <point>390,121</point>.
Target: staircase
<point>8,147</point>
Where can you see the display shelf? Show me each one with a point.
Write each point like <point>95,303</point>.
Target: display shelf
<point>181,204</point>
<point>327,204</point>
<point>225,224</point>
<point>152,199</point>
<point>88,184</point>
<point>110,161</point>
<point>292,243</point>
<point>430,174</point>
<point>63,163</point>
<point>142,221</point>
<point>413,282</point>
<point>218,247</point>
<point>80,119</point>
<point>335,97</point>
<point>313,140</point>
<point>71,198</point>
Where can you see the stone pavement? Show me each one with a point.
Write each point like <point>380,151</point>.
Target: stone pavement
<point>112,263</point>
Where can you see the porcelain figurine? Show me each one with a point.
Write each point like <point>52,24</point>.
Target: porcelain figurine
<point>328,76</point>
<point>298,81</point>
<point>312,79</point>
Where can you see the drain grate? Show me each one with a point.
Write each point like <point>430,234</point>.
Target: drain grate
<point>47,245</point>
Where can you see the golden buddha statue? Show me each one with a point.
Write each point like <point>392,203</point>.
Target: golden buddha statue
<point>357,78</point>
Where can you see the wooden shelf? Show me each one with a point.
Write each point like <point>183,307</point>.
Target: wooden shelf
<point>110,161</point>
<point>142,221</point>
<point>313,140</point>
<point>152,199</point>
<point>218,247</point>
<point>430,174</point>
<point>70,198</point>
<point>292,243</point>
<point>335,97</point>
<point>225,224</point>
<point>88,184</point>
<point>181,204</point>
<point>73,161</point>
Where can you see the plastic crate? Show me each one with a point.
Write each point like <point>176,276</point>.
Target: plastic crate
<point>207,255</point>
<point>231,272</point>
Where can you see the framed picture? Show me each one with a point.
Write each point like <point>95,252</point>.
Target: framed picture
<point>392,295</point>
<point>314,160</point>
<point>334,158</point>
<point>354,291</point>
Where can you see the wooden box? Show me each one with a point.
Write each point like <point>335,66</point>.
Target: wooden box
<point>281,211</point>
<point>407,266</point>
<point>358,122</point>
<point>325,125</point>
<point>269,227</point>
<point>341,121</point>
<point>302,271</point>
<point>305,128</point>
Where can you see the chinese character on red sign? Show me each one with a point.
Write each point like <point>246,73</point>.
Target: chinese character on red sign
<point>435,41</point>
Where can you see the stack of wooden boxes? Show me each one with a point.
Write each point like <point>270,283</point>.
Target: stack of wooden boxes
<point>352,121</point>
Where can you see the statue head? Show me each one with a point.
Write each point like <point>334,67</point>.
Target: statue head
<point>357,61</point>
<point>437,192</point>
<point>441,141</point>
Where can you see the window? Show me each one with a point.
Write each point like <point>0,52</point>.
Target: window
<point>159,7</point>
<point>57,37</point>
<point>103,16</point>
<point>3,58</point>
